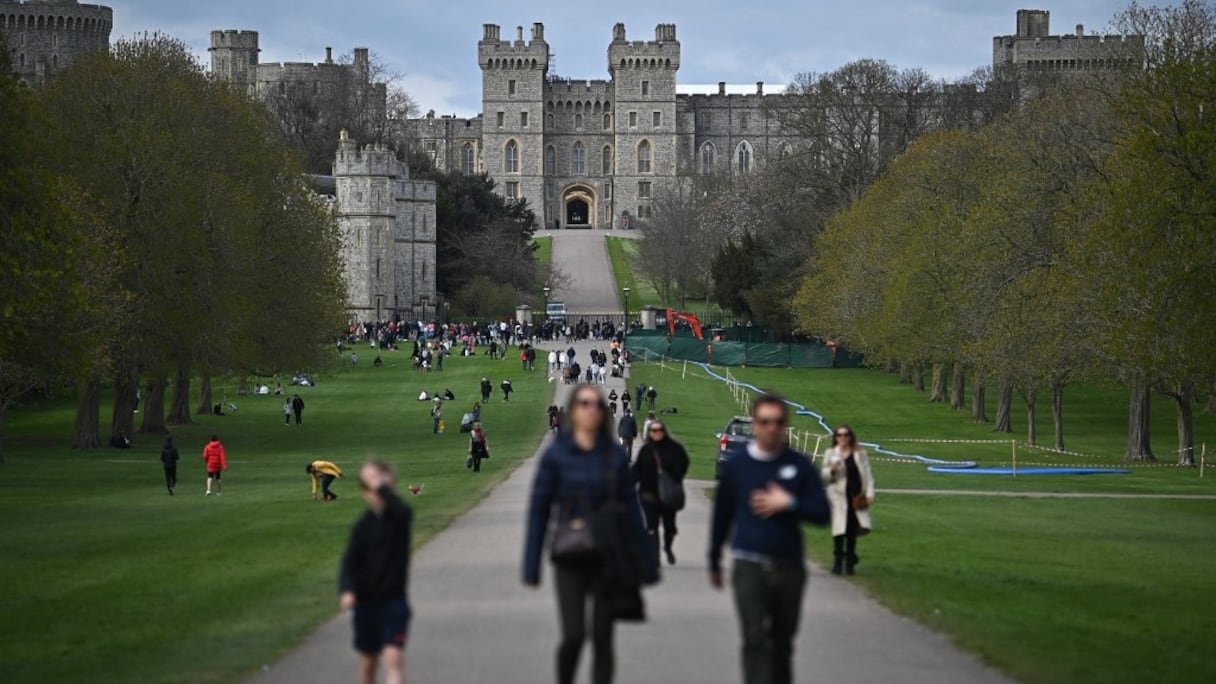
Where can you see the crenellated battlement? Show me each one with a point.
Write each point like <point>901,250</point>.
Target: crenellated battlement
<point>495,53</point>
<point>661,53</point>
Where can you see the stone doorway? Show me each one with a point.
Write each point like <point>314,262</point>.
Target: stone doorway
<point>579,205</point>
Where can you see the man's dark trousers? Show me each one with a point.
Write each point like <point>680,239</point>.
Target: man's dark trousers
<point>768,600</point>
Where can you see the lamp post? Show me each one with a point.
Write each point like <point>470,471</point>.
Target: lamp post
<point>547,291</point>
<point>625,290</point>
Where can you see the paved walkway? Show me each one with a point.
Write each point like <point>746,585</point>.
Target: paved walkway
<point>475,622</point>
<point>583,255</point>
<point>1047,495</point>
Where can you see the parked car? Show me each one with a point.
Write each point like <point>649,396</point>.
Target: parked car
<point>734,435</point>
<point>556,311</point>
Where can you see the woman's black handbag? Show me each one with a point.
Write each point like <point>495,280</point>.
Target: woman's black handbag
<point>574,542</point>
<point>671,490</point>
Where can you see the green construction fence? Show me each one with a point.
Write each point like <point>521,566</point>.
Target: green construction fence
<point>648,347</point>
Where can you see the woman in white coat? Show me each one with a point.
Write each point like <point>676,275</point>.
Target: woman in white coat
<point>850,487</point>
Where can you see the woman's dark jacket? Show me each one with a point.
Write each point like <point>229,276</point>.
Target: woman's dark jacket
<point>575,482</point>
<point>671,456</point>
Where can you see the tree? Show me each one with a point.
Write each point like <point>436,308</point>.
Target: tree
<point>55,258</point>
<point>734,271</point>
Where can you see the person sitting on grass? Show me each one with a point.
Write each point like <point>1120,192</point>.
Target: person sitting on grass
<point>323,474</point>
<point>375,573</point>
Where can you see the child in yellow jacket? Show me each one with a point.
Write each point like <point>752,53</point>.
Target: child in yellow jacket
<point>323,474</point>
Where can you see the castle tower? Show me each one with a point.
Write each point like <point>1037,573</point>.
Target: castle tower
<point>364,181</point>
<point>48,35</point>
<point>513,90</point>
<point>234,56</point>
<point>644,81</point>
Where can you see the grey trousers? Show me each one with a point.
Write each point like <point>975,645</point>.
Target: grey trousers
<point>768,601</point>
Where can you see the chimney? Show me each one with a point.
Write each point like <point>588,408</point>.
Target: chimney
<point>618,33</point>
<point>519,34</point>
<point>491,31</point>
<point>329,55</point>
<point>759,87</point>
<point>361,57</point>
<point>1080,30</point>
<point>538,31</point>
<point>721,87</point>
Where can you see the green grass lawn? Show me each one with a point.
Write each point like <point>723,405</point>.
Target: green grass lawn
<point>622,252</point>
<point>108,579</point>
<point>544,251</point>
<point>1085,590</point>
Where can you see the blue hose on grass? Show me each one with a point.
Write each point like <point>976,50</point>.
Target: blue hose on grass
<point>799,409</point>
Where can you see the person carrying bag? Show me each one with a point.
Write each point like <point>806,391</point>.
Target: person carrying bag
<point>598,548</point>
<point>660,468</point>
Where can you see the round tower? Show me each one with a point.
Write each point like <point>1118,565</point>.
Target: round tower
<point>48,35</point>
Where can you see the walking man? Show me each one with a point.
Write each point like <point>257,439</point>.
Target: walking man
<point>297,407</point>
<point>436,415</point>
<point>168,459</point>
<point>651,395</point>
<point>216,461</point>
<point>638,392</point>
<point>766,491</point>
<point>627,430</point>
<point>375,571</point>
<point>507,389</point>
<point>323,474</point>
<point>486,389</point>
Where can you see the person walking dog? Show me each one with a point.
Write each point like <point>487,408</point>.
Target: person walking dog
<point>766,492</point>
<point>850,487</point>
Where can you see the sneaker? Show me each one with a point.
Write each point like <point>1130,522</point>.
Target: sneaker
<point>208,493</point>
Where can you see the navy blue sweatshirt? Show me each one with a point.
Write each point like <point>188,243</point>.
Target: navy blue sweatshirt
<point>574,480</point>
<point>376,563</point>
<point>778,538</point>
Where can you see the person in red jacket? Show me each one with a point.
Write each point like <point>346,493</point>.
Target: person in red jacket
<point>217,462</point>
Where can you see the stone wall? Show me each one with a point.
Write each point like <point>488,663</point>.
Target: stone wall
<point>46,36</point>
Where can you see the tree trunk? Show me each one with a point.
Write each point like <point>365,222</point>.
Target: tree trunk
<point>905,374</point>
<point>179,410</point>
<point>154,407</point>
<point>1004,408</point>
<point>979,401</point>
<point>1032,426</point>
<point>88,415</point>
<point>958,389</point>
<point>891,367</point>
<point>918,378</point>
<point>3,414</point>
<point>1211,406</point>
<point>126,388</point>
<point>938,393</point>
<point>204,395</point>
<point>1139,446</point>
<point>1057,412</point>
<point>1184,399</point>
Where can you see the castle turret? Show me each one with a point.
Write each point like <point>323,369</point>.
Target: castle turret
<point>234,56</point>
<point>513,90</point>
<point>644,80</point>
<point>45,36</point>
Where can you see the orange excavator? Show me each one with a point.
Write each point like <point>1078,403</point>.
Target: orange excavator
<point>692,321</point>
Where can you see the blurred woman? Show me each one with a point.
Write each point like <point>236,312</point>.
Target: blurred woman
<point>581,472</point>
<point>479,448</point>
<point>850,487</point>
<point>660,453</point>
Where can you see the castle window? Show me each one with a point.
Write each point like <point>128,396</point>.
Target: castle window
<point>708,152</point>
<point>607,190</point>
<point>21,60</point>
<point>606,162</point>
<point>645,88</point>
<point>511,87</point>
<point>523,119</point>
<point>744,119</point>
<point>510,158</point>
<point>468,159</point>
<point>633,119</point>
<point>512,190</point>
<point>743,158</point>
<point>578,160</point>
<point>21,40</point>
<point>643,211</point>
<point>643,189</point>
<point>578,122</point>
<point>550,161</point>
<point>282,88</point>
<point>644,157</point>
<point>658,119</point>
<point>607,121</point>
<point>502,119</point>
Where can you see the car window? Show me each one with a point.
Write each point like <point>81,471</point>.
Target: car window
<point>740,429</point>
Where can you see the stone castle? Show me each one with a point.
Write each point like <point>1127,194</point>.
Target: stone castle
<point>388,225</point>
<point>45,36</point>
<point>595,153</point>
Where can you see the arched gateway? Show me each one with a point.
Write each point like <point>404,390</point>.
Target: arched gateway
<point>578,202</point>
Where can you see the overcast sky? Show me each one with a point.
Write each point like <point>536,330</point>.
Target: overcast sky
<point>434,44</point>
